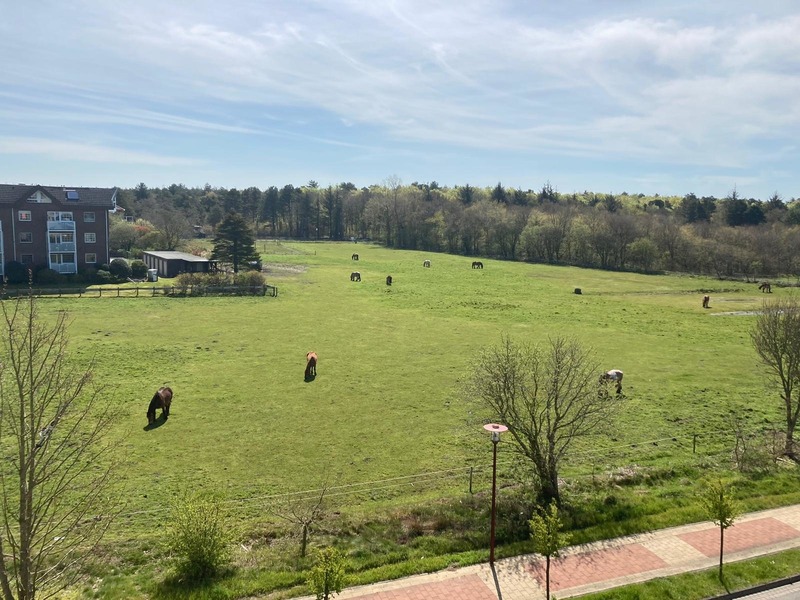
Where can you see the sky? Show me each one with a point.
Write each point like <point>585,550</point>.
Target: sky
<point>610,96</point>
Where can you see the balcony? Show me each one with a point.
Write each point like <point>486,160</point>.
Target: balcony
<point>61,226</point>
<point>64,268</point>
<point>62,247</point>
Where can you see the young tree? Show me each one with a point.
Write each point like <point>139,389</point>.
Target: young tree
<point>327,575</point>
<point>234,242</point>
<point>548,540</point>
<point>718,502</point>
<point>304,511</point>
<point>547,397</point>
<point>776,339</point>
<point>53,429</point>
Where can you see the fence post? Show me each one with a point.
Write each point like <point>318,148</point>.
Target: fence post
<point>100,295</point>
<point>694,444</point>
<point>470,480</point>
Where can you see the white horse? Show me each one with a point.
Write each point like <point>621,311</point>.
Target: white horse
<point>613,375</point>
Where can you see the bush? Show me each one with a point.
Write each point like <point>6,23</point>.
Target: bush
<point>199,535</point>
<point>16,272</point>
<point>119,268</point>
<point>327,576</point>
<point>103,276</point>
<point>47,276</point>
<point>138,269</point>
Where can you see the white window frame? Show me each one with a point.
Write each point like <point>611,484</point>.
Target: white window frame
<point>24,215</point>
<point>25,234</point>
<point>89,216</point>
<point>90,238</point>
<point>92,260</point>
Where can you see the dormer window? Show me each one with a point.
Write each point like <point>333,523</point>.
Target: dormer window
<point>38,198</point>
<point>72,195</point>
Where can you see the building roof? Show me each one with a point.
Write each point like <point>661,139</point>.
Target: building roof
<point>175,255</point>
<point>68,196</point>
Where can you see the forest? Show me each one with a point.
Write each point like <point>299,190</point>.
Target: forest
<point>730,237</point>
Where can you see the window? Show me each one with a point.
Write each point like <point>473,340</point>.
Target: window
<point>91,258</point>
<point>26,259</point>
<point>53,215</point>
<point>38,198</point>
<point>24,215</point>
<point>90,238</point>
<point>72,195</point>
<point>88,217</point>
<point>25,237</point>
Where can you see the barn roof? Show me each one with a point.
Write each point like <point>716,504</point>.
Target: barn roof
<point>175,255</point>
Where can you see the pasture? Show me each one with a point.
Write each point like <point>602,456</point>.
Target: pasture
<point>386,402</point>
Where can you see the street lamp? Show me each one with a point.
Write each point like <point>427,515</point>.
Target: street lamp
<point>495,429</point>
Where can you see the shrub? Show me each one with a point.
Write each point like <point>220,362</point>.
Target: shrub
<point>103,276</point>
<point>327,575</point>
<point>16,272</point>
<point>199,535</point>
<point>119,268</point>
<point>138,269</point>
<point>47,276</point>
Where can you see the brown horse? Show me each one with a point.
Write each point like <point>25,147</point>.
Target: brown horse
<point>355,276</point>
<point>765,287</point>
<point>311,365</point>
<point>161,399</point>
<point>426,264</point>
<point>706,300</point>
<point>388,280</point>
<point>477,264</point>
<point>354,257</point>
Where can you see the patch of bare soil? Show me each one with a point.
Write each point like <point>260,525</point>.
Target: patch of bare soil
<point>283,269</point>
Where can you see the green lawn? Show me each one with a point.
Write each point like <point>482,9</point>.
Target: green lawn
<point>386,400</point>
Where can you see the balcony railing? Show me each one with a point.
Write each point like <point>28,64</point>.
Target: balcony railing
<point>62,247</point>
<point>64,267</point>
<point>61,226</point>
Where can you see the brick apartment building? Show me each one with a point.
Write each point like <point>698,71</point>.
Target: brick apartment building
<point>65,229</point>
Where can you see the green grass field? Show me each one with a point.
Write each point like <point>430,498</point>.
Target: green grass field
<point>386,401</point>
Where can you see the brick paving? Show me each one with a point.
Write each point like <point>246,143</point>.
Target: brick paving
<point>599,566</point>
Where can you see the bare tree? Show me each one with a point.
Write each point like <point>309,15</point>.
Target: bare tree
<point>303,510</point>
<point>547,397</point>
<point>172,225</point>
<point>776,339</point>
<point>54,476</point>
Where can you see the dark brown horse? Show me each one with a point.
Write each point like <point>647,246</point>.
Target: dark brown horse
<point>706,300</point>
<point>161,399</point>
<point>311,365</point>
<point>613,375</point>
<point>388,280</point>
<point>355,276</point>
<point>765,287</point>
<point>354,257</point>
<point>477,264</point>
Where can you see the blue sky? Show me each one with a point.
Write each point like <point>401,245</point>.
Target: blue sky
<point>608,96</point>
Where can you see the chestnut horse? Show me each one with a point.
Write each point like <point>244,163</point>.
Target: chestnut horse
<point>311,365</point>
<point>161,399</point>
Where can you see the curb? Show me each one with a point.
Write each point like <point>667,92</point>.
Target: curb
<point>758,588</point>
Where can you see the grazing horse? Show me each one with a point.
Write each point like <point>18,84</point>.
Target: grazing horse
<point>161,399</point>
<point>355,276</point>
<point>311,365</point>
<point>354,257</point>
<point>613,375</point>
<point>388,280</point>
<point>476,264</point>
<point>706,300</point>
<point>426,263</point>
<point>765,287</point>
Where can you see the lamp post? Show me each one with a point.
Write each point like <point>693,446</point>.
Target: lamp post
<point>495,429</point>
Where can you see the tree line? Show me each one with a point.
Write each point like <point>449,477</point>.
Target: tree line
<point>724,237</point>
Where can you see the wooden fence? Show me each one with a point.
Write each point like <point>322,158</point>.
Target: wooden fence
<point>146,292</point>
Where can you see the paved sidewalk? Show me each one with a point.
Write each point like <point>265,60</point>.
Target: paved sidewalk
<point>600,566</point>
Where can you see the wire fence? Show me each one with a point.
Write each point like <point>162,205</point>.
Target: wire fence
<point>146,292</point>
<point>610,464</point>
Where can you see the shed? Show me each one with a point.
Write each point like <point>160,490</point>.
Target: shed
<point>170,263</point>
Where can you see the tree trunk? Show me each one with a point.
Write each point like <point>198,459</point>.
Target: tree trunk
<point>547,578</point>
<point>790,425</point>
<point>721,545</point>
<point>304,542</point>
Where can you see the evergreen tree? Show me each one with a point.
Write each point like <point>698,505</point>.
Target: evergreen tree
<point>234,242</point>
